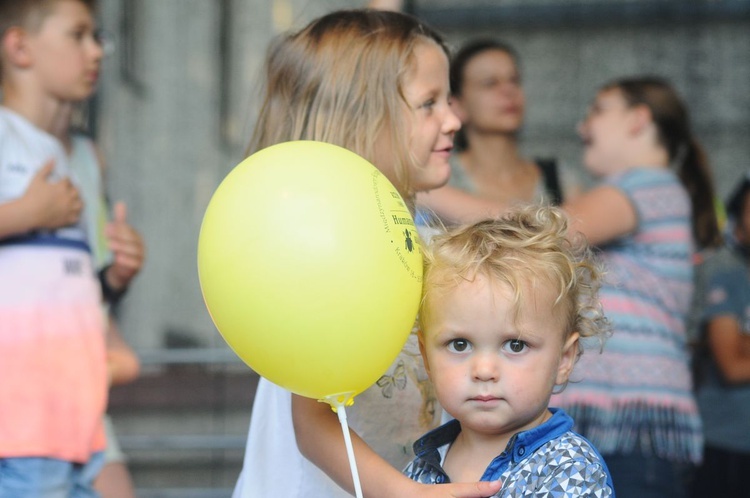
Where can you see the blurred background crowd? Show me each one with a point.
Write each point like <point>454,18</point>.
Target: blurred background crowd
<point>173,113</point>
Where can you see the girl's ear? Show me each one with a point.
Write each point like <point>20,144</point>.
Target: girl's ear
<point>568,359</point>
<point>15,47</point>
<point>641,119</point>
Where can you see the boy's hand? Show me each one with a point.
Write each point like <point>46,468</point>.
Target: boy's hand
<point>127,247</point>
<point>52,204</point>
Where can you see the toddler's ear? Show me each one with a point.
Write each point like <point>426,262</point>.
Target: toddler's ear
<point>568,358</point>
<point>15,48</point>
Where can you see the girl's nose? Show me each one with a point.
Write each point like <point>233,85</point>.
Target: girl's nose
<point>96,50</point>
<point>582,129</point>
<point>509,88</point>
<point>451,123</point>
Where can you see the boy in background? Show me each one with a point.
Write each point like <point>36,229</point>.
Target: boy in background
<point>52,328</point>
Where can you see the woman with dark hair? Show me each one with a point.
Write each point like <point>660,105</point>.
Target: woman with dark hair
<point>488,170</point>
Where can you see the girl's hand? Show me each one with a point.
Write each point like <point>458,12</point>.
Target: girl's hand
<point>127,247</point>
<point>459,490</point>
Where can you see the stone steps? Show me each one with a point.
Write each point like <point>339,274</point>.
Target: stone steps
<point>183,428</point>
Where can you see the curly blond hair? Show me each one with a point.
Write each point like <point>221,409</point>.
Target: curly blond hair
<point>527,245</point>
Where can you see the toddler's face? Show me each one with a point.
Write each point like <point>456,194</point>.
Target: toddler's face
<point>494,373</point>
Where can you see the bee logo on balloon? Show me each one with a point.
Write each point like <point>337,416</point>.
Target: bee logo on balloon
<point>409,241</point>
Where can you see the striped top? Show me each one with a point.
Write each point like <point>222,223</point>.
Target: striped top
<point>637,394</point>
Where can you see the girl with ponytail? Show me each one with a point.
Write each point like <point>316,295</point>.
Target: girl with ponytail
<point>652,210</point>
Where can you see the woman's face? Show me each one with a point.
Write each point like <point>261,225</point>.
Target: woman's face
<point>491,99</point>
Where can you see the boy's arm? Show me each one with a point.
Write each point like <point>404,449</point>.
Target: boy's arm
<point>321,440</point>
<point>125,242</point>
<point>45,204</point>
<point>128,250</point>
<point>122,362</point>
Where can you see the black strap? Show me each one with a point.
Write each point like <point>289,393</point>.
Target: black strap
<point>551,180</point>
<point>110,295</point>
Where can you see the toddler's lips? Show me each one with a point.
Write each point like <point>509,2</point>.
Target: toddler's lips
<point>485,398</point>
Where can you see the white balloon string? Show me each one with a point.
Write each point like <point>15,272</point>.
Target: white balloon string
<point>341,411</point>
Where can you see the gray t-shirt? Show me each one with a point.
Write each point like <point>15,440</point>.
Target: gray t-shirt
<point>567,180</point>
<point>724,407</point>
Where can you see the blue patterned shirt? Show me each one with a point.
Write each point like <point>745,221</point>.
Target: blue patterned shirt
<point>547,461</point>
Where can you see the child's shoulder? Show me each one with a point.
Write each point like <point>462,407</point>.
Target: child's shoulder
<point>5,118</point>
<point>642,177</point>
<point>572,446</point>
<point>567,465</point>
<point>12,123</point>
<point>555,443</point>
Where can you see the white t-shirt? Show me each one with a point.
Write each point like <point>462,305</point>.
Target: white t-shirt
<point>25,149</point>
<point>389,416</point>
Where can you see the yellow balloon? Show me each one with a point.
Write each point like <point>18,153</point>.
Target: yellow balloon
<point>310,267</point>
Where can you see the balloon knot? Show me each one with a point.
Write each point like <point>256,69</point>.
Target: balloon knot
<point>339,400</point>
